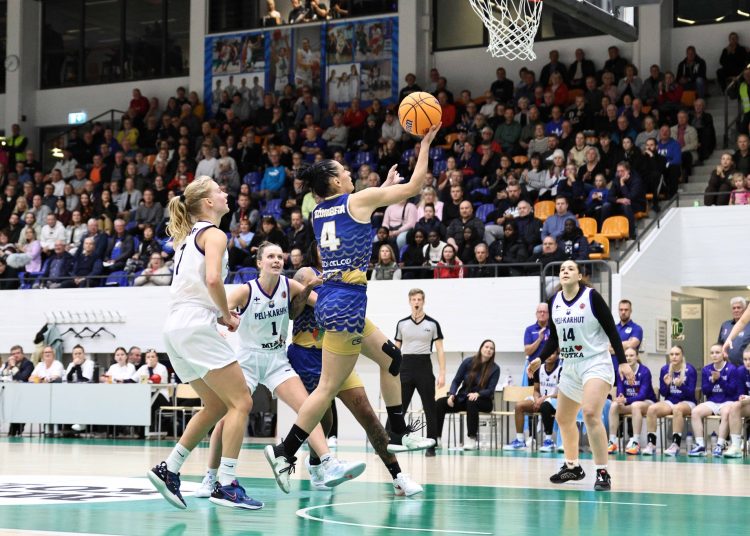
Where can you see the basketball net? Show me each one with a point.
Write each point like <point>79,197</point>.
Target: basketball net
<point>512,25</point>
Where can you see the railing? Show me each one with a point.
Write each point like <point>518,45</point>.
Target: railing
<point>734,123</point>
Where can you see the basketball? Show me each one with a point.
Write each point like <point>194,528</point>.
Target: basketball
<point>418,112</point>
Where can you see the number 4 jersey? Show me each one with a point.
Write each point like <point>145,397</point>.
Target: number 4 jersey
<point>579,331</point>
<point>265,317</point>
<point>345,243</point>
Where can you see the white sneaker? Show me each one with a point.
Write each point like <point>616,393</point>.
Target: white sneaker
<point>78,427</point>
<point>411,442</point>
<point>333,442</point>
<point>439,444</point>
<point>207,487</point>
<point>673,450</point>
<point>649,450</point>
<point>404,485</point>
<point>282,468</point>
<point>470,444</point>
<point>316,475</point>
<point>733,452</point>
<point>335,471</point>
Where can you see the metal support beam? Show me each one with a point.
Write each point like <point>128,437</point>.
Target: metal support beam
<point>597,18</point>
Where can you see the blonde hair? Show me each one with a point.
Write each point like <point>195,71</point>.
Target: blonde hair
<point>681,372</point>
<point>185,208</point>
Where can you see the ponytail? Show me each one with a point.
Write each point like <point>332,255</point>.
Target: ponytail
<point>183,209</point>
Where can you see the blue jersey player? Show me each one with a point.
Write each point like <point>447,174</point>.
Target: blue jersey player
<point>342,229</point>
<point>741,408</point>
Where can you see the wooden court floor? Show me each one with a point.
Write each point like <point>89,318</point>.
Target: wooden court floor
<point>68,486</point>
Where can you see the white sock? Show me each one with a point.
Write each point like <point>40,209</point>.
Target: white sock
<point>176,458</point>
<point>572,463</point>
<point>598,467</point>
<point>721,441</point>
<point>227,471</point>
<point>612,438</point>
<point>547,437</point>
<point>700,441</point>
<point>325,457</point>
<point>211,473</point>
<point>737,440</point>
<point>519,437</point>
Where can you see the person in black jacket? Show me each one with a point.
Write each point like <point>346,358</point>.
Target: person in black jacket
<point>626,196</point>
<point>8,276</point>
<point>58,267</point>
<point>691,72</point>
<point>413,256</point>
<point>119,249</point>
<point>19,369</point>
<point>472,391</point>
<point>734,59</point>
<point>572,242</point>
<point>509,250</point>
<point>579,70</point>
<point>482,266</point>
<point>85,266</point>
<point>502,88</point>
<point>529,227</point>
<point>654,166</point>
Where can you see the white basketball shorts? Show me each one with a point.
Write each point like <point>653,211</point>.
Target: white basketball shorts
<point>576,372</point>
<point>271,368</point>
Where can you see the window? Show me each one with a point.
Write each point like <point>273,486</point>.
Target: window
<point>233,15</point>
<point>692,12</point>
<point>103,41</point>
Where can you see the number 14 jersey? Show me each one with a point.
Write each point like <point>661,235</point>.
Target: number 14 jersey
<point>579,331</point>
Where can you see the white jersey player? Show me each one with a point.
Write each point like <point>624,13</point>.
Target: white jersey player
<point>583,329</point>
<point>265,306</point>
<point>198,354</point>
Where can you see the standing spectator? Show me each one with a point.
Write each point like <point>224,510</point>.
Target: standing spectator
<point>631,334</point>
<point>554,66</point>
<point>734,59</point>
<point>691,72</point>
<point>415,336</point>
<point>615,64</point>
<point>741,90</point>
<point>472,391</point>
<point>534,338</point>
<point>139,107</point>
<point>508,133</point>
<point>738,304</point>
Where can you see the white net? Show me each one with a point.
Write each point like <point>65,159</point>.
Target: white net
<point>512,25</point>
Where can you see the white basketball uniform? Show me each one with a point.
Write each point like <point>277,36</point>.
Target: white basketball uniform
<point>303,74</point>
<point>584,347</point>
<point>549,383</point>
<point>193,343</point>
<point>263,330</point>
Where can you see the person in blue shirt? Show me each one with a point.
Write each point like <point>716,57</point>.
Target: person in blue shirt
<point>342,229</point>
<point>631,333</point>
<point>677,380</point>
<point>738,304</point>
<point>472,391</point>
<point>534,338</point>
<point>672,152</point>
<point>274,177</point>
<point>717,384</point>
<point>632,399</point>
<point>738,409</point>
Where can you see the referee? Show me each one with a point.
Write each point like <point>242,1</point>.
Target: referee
<point>414,336</point>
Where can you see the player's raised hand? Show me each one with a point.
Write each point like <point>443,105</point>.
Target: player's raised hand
<point>430,136</point>
<point>392,178</point>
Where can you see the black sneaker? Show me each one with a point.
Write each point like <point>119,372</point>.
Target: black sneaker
<point>565,474</point>
<point>168,484</point>
<point>603,481</point>
<point>430,452</point>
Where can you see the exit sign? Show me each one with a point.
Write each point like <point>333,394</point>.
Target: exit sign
<point>77,118</point>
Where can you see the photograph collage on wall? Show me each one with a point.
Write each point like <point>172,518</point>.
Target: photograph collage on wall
<point>338,61</point>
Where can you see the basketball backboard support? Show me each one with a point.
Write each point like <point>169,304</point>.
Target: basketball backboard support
<point>604,15</point>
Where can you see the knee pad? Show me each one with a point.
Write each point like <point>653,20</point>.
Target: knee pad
<point>394,352</point>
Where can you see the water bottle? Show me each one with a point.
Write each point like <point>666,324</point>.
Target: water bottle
<point>172,378</point>
<point>689,442</point>
<point>509,380</point>
<point>714,439</point>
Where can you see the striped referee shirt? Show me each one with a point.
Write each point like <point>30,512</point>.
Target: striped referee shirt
<point>416,338</point>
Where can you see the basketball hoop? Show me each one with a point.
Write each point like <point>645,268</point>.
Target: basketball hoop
<point>512,25</point>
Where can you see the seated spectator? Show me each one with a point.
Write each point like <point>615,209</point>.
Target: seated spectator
<point>554,66</point>
<point>510,249</point>
<point>156,274</point>
<point>268,232</point>
<point>449,266</point>
<point>649,132</point>
<point>120,248</point>
<point>465,245</point>
<point>535,179</point>
<point>550,252</point>
<point>274,177</point>
<point>74,232</point>
<point>85,265</point>
<point>17,369</point>
<point>573,189</point>
<point>466,219</point>
<point>147,247</point>
<point>632,399</point>
<point>481,262</point>
<point>579,70</point>
<point>719,389</point>
<point>433,249</point>
<point>337,135</point>
<point>58,267</point>
<point>81,369</point>
<point>148,213</point>
<point>740,408</point>
<point>472,391</point>
<point>239,245</point>
<point>677,381</point>
<point>572,243</point>
<point>61,212</point>
<point>654,169</point>
<point>299,233</point>
<point>559,89</point>
<point>120,371</point>
<point>529,228</point>
<point>400,219</point>
<point>502,88</point>
<point>741,156</point>
<point>691,72</point>
<point>687,137</point>
<point>740,194</point>
<point>623,130</point>
<point>703,122</point>
<point>386,268</point>
<point>669,100</point>
<point>720,182</point>
<point>627,196</point>
<point>543,401</point>
<point>413,257</point>
<point>208,164</point>
<point>8,276</point>
<point>670,149</point>
<point>508,133</point>
<point>129,199</point>
<point>554,225</point>
<point>597,197</point>
<point>29,256</point>
<point>429,196</point>
<point>52,231</point>
<point>49,369</point>
<point>629,84</point>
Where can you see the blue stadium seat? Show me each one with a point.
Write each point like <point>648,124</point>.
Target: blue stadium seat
<point>272,207</point>
<point>244,275</point>
<point>438,166</point>
<point>252,179</point>
<point>117,278</point>
<point>363,157</point>
<point>28,279</point>
<point>437,153</point>
<point>484,210</point>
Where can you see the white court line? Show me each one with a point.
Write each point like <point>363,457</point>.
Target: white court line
<point>303,512</point>
<point>32,532</point>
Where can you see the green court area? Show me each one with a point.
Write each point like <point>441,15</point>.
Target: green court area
<point>367,508</point>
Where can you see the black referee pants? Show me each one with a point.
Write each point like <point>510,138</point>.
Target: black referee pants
<point>416,373</point>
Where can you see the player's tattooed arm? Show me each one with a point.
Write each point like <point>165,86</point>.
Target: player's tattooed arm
<point>306,280</point>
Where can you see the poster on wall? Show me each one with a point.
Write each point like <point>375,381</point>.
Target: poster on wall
<point>339,61</point>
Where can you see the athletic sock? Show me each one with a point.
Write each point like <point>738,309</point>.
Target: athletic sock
<point>652,439</point>
<point>700,441</point>
<point>548,437</point>
<point>600,467</point>
<point>227,471</point>
<point>211,473</point>
<point>572,463</point>
<point>519,437</point>
<point>737,440</point>
<point>612,438</point>
<point>393,468</point>
<point>176,458</point>
<point>721,441</point>
<point>677,439</point>
<point>314,460</point>
<point>396,419</point>
<point>293,441</point>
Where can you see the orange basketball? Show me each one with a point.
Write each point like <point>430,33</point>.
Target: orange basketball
<point>418,112</point>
